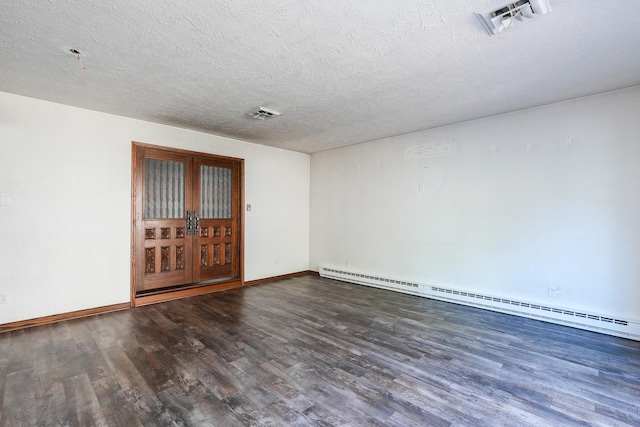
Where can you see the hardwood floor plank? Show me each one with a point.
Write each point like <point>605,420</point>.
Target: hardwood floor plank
<point>214,412</point>
<point>49,388</point>
<point>309,351</point>
<point>19,404</point>
<point>112,399</point>
<point>5,345</point>
<point>86,403</point>
<point>139,398</point>
<point>20,354</point>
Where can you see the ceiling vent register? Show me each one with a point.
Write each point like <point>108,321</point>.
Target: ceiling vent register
<point>500,16</point>
<point>263,113</point>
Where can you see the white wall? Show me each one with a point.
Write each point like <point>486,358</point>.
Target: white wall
<point>531,199</point>
<point>65,240</point>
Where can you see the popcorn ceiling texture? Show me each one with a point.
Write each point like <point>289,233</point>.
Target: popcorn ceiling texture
<point>341,72</point>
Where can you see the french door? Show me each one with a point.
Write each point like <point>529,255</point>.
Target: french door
<point>187,227</point>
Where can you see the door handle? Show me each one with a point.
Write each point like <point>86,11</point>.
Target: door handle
<point>189,223</point>
<point>196,230</point>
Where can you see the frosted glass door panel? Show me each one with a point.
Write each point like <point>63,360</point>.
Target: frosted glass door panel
<point>216,192</point>
<point>165,189</point>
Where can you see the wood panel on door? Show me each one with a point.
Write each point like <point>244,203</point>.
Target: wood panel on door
<point>187,219</point>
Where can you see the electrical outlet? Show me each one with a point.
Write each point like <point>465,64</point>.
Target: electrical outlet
<point>553,291</point>
<point>3,299</point>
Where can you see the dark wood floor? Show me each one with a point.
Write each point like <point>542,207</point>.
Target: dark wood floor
<point>310,351</point>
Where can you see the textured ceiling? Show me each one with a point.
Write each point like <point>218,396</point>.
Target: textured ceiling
<point>340,71</point>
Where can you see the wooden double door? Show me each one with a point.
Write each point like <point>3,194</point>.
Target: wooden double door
<point>187,225</point>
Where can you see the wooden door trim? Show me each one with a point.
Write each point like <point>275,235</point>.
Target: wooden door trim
<point>170,294</point>
<point>139,145</point>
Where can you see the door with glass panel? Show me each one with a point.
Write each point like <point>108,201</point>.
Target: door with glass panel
<point>216,211</point>
<point>186,225</point>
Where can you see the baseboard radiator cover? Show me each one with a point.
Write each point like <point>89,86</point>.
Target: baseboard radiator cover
<point>611,325</point>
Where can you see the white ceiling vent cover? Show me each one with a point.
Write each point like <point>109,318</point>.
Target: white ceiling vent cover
<point>263,113</point>
<point>504,14</point>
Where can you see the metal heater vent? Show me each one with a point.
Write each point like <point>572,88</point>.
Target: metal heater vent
<point>263,113</point>
<point>507,13</point>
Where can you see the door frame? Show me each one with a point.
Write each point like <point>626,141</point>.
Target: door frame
<point>196,289</point>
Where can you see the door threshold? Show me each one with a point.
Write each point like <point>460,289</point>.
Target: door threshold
<point>186,291</point>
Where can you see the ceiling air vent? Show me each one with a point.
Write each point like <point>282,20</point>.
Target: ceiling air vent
<point>504,14</point>
<point>263,113</point>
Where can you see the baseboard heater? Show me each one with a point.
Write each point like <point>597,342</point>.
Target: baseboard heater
<point>611,325</point>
